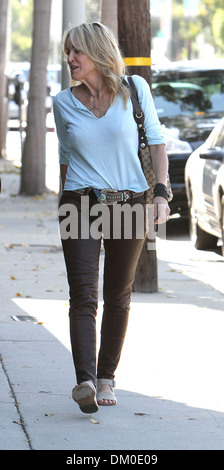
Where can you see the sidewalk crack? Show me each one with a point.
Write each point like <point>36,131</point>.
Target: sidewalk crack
<point>219,425</point>
<point>21,420</point>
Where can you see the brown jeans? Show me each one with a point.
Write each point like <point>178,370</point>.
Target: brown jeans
<point>82,263</point>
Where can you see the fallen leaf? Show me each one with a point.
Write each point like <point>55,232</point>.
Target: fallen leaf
<point>49,414</point>
<point>39,197</point>
<point>141,414</point>
<point>93,421</point>
<point>13,278</point>
<point>18,294</point>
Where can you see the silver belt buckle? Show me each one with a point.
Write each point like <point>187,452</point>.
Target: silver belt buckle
<point>105,199</point>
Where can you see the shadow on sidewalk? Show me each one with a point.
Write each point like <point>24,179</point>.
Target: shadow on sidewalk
<point>41,373</point>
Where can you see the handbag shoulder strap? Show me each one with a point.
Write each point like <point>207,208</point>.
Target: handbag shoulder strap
<point>134,96</point>
<point>138,113</point>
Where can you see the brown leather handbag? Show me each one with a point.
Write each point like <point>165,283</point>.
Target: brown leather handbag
<point>144,149</point>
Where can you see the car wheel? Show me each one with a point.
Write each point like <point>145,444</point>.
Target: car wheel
<point>202,240</point>
<point>222,223</point>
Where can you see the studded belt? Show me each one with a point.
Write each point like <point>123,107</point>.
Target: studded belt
<point>110,196</point>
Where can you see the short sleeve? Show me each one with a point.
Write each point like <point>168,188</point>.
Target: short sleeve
<point>64,147</point>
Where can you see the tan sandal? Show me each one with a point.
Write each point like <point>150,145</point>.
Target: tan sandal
<point>106,395</point>
<point>84,395</point>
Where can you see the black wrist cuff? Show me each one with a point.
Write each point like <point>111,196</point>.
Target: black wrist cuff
<point>160,190</point>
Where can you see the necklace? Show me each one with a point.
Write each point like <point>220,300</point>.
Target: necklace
<point>95,109</point>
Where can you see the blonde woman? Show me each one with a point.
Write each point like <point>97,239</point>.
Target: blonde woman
<point>100,168</point>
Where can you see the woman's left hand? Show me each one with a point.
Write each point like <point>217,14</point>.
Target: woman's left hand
<point>161,210</point>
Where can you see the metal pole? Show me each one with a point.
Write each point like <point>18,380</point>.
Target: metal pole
<point>74,13</point>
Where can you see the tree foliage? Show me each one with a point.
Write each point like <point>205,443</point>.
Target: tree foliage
<point>21,36</point>
<point>218,27</point>
<point>210,22</point>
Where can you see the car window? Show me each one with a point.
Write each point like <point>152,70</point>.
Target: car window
<point>188,93</point>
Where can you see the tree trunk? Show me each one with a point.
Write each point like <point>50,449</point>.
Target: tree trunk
<point>134,34</point>
<point>33,157</point>
<point>4,7</point>
<point>135,41</point>
<point>108,14</point>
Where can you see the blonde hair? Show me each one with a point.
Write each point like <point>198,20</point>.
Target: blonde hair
<point>98,43</point>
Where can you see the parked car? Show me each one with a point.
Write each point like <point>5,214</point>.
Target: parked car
<point>204,179</point>
<point>189,99</point>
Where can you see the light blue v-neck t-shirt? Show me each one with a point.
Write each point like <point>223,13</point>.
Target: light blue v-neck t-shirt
<point>103,152</point>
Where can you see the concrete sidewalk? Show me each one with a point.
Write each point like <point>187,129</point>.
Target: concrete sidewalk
<point>170,384</point>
